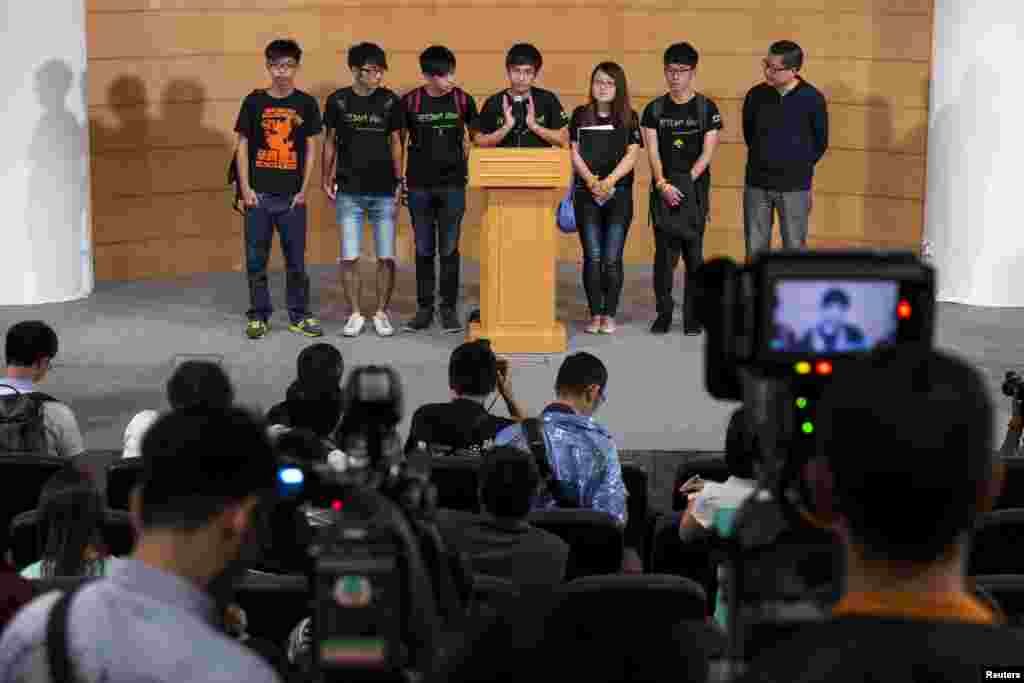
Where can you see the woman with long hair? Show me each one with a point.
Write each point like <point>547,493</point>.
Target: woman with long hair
<point>605,139</point>
<point>70,526</point>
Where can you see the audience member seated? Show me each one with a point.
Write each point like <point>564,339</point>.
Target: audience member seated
<point>908,442</point>
<point>712,506</point>
<point>500,541</point>
<point>581,453</point>
<point>204,475</point>
<point>582,456</point>
<point>194,384</point>
<point>463,425</point>
<point>31,421</point>
<point>314,399</point>
<point>70,527</point>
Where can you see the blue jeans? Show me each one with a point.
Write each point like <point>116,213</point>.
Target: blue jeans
<point>436,215</point>
<point>603,231</point>
<point>275,209</point>
<point>379,210</point>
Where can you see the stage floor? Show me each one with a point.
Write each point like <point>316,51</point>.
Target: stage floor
<point>119,346</point>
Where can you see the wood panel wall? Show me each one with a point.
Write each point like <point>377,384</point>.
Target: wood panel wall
<point>167,77</point>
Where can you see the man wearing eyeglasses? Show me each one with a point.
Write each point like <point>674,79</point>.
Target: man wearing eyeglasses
<point>680,130</point>
<point>362,173</point>
<point>785,126</point>
<point>276,155</point>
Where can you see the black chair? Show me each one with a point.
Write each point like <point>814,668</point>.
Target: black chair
<point>23,477</point>
<point>660,598</point>
<point>1013,486</point>
<point>710,466</point>
<point>118,535</point>
<point>121,478</point>
<point>274,603</point>
<point>493,596</point>
<point>638,521</point>
<point>457,478</point>
<point>1008,592</point>
<point>997,537</point>
<point>595,539</point>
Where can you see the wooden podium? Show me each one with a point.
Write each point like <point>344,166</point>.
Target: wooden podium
<point>518,247</point>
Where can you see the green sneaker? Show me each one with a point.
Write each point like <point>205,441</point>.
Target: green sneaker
<point>309,327</point>
<point>256,329</point>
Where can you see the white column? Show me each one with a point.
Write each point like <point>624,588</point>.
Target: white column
<point>46,236</point>
<point>974,227</point>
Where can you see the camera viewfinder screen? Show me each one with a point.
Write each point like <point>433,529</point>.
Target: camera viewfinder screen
<point>824,317</point>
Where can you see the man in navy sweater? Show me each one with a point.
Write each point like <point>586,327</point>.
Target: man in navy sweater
<point>785,126</point>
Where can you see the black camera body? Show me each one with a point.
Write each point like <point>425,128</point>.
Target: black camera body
<point>1013,386</point>
<point>372,589</point>
<point>777,331</point>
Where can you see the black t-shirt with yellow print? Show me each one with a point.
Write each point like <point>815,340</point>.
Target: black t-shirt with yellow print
<point>548,112</point>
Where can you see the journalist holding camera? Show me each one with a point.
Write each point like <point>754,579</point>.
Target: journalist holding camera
<point>465,425</point>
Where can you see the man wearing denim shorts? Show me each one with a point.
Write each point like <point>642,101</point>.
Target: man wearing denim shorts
<point>362,167</point>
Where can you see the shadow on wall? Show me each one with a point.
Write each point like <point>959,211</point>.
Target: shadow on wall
<point>965,150</point>
<point>57,199</point>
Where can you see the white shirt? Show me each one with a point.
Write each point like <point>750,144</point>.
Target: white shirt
<point>135,430</point>
<point>714,497</point>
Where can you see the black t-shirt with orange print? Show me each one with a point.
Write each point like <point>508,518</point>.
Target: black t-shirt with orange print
<point>277,130</point>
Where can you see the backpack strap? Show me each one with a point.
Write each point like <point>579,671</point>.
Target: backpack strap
<point>460,102</point>
<point>417,98</point>
<point>534,433</point>
<point>58,656</point>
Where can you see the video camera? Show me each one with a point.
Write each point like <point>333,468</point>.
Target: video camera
<point>367,569</point>
<point>777,331</point>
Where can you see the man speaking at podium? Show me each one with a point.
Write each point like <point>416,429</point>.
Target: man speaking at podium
<point>523,115</point>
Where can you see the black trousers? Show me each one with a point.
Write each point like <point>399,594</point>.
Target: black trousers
<point>667,250</point>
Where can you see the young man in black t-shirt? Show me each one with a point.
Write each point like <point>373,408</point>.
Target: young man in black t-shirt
<point>276,154</point>
<point>362,165</point>
<point>438,116</point>
<point>523,115</point>
<point>463,424</point>
<point>672,126</point>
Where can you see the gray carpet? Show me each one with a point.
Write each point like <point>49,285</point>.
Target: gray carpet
<point>119,346</point>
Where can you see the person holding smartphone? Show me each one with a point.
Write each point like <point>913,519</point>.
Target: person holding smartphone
<point>605,140</point>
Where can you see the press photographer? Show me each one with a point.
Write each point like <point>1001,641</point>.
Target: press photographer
<point>384,587</point>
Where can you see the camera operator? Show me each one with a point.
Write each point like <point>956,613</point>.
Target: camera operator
<point>464,424</point>
<point>908,444</point>
<point>152,618</point>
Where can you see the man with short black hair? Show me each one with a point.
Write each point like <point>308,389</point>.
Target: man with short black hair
<point>439,116</point>
<point>523,115</point>
<point>833,332</point>
<point>581,451</point>
<point>681,131</point>
<point>907,436</point>
<point>196,384</point>
<point>463,424</point>
<point>785,126</point>
<point>31,421</point>
<point>361,171</point>
<point>313,401</point>
<point>276,155</point>
<point>204,474</point>
<point>501,541</point>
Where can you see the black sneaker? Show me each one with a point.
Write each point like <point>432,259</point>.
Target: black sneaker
<point>423,320</point>
<point>692,329</point>
<point>474,317</point>
<point>662,323</point>
<point>450,322</point>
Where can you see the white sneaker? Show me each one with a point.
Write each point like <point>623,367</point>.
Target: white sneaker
<point>382,323</point>
<point>354,325</point>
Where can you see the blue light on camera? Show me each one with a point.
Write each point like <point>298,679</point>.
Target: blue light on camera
<point>291,476</point>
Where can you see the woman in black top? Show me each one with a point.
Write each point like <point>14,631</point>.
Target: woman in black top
<point>605,137</point>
